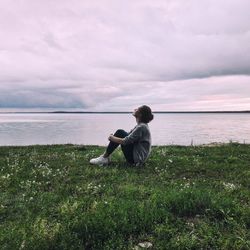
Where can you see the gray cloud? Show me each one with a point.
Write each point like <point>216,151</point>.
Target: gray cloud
<point>40,99</point>
<point>113,55</point>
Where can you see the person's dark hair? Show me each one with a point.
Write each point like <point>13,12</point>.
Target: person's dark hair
<point>146,115</point>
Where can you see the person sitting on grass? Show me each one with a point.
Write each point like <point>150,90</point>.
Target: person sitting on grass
<point>135,145</point>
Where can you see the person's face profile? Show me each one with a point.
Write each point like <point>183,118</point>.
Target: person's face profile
<point>136,112</point>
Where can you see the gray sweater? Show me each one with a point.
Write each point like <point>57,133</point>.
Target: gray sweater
<point>141,138</point>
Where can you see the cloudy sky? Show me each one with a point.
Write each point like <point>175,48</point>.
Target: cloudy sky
<point>115,55</point>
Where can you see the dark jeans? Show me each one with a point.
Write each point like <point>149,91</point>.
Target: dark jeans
<point>126,149</point>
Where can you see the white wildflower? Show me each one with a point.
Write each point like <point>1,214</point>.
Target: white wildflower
<point>186,185</point>
<point>229,186</point>
<point>22,245</point>
<point>145,244</point>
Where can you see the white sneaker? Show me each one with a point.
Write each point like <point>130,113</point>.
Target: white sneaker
<point>100,161</point>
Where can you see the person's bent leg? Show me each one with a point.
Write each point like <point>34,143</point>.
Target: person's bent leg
<point>113,145</point>
<point>128,152</point>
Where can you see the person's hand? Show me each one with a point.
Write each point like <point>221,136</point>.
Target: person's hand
<point>110,137</point>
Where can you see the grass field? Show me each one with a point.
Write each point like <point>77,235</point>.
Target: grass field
<point>183,198</point>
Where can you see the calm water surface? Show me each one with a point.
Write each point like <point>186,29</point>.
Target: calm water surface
<point>94,129</point>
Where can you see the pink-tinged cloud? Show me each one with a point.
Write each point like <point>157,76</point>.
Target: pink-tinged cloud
<point>115,55</point>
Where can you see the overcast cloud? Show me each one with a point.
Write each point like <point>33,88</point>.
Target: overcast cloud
<point>116,55</point>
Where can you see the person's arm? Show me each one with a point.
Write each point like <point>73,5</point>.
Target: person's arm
<point>134,136</point>
<point>116,139</point>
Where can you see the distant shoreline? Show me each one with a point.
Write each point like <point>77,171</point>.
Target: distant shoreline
<point>122,112</point>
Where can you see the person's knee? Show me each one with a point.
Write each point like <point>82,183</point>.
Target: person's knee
<point>119,132</point>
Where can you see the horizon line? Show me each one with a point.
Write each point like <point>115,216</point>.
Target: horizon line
<point>122,112</point>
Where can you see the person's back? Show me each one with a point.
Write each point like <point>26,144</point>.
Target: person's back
<point>142,147</point>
